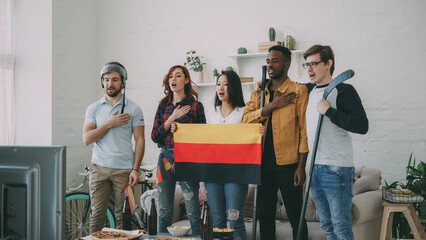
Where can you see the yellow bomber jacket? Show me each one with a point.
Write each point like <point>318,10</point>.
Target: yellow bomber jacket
<point>288,123</point>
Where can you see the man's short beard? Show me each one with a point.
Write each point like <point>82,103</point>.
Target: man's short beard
<point>114,94</point>
<point>279,74</point>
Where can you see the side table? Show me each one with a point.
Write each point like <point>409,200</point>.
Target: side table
<point>413,220</point>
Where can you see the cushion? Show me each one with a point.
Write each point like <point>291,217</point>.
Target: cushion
<point>366,179</point>
<point>311,213</point>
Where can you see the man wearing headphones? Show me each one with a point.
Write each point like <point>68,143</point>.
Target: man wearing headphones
<point>109,124</point>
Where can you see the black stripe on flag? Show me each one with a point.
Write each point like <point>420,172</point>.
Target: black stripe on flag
<point>219,173</point>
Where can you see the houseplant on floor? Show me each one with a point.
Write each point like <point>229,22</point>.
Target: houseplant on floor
<point>194,63</point>
<point>416,182</point>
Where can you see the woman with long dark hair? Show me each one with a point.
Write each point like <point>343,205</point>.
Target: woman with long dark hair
<point>227,200</point>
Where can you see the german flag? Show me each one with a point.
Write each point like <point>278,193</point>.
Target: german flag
<point>223,153</point>
<point>164,168</point>
<point>128,192</point>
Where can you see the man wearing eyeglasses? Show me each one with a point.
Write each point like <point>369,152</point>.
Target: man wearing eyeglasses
<point>334,172</point>
<point>285,146</point>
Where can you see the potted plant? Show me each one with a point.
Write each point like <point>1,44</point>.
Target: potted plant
<point>215,74</point>
<point>400,227</point>
<point>416,182</point>
<point>194,63</point>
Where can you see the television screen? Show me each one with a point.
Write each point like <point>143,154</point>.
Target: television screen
<point>32,192</point>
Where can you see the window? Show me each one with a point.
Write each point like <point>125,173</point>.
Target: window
<point>7,60</point>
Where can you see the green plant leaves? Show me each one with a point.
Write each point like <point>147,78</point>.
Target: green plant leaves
<point>215,72</point>
<point>416,182</point>
<point>416,176</point>
<point>194,62</point>
<point>392,185</point>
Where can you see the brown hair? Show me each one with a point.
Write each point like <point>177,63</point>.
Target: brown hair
<point>325,52</point>
<point>190,93</point>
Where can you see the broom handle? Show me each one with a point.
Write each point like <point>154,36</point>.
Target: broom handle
<point>308,183</point>
<point>262,103</point>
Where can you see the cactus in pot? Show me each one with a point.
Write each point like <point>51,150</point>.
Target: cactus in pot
<point>242,50</point>
<point>215,74</point>
<point>271,34</point>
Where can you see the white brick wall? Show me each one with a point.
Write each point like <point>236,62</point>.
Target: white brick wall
<point>383,41</point>
<point>33,73</point>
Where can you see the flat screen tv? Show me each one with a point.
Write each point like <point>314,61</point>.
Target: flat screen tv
<point>32,192</point>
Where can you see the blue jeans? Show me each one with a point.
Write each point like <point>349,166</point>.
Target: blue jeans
<point>231,195</point>
<point>332,191</point>
<point>166,195</point>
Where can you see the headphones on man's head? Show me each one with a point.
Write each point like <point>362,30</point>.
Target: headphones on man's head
<point>114,67</point>
<point>118,68</point>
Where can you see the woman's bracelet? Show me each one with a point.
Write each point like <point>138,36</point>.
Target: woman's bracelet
<point>135,170</point>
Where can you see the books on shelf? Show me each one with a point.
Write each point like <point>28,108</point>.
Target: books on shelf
<point>246,79</point>
<point>264,46</point>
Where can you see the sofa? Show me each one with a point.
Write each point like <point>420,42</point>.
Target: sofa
<point>366,210</point>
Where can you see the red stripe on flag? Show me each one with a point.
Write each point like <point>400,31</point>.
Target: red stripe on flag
<point>159,177</point>
<point>218,153</point>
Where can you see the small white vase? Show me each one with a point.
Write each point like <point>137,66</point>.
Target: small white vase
<point>199,77</point>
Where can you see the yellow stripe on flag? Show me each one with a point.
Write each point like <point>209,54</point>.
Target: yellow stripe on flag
<point>167,164</point>
<point>131,198</point>
<point>218,133</point>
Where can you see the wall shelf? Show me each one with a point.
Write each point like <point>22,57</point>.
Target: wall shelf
<point>248,65</point>
<point>297,55</point>
<point>261,54</point>
<point>214,84</point>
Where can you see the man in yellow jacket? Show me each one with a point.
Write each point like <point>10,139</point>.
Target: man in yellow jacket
<point>285,145</point>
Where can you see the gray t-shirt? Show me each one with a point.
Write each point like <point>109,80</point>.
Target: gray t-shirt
<point>345,115</point>
<point>114,149</point>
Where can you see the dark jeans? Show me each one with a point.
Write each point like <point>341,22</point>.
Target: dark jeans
<point>272,180</point>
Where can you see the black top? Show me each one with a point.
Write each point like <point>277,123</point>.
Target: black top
<point>268,158</point>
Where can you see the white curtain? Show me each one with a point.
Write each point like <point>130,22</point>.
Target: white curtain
<point>7,63</point>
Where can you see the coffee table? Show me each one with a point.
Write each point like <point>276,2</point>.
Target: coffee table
<point>165,235</point>
<point>149,237</point>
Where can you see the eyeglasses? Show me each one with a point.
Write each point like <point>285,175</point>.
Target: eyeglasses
<point>312,65</point>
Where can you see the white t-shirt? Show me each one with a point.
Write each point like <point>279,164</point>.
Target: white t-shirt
<point>215,117</point>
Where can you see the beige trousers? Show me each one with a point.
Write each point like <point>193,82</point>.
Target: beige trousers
<point>102,181</point>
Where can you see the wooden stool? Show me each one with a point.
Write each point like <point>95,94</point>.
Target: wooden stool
<point>409,213</point>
